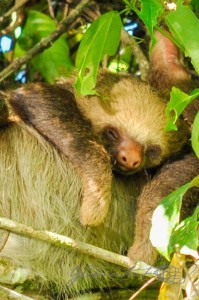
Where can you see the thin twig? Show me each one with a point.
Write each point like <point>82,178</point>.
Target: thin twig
<point>45,42</point>
<point>66,242</point>
<point>15,7</point>
<point>150,281</point>
<point>50,8</point>
<point>142,60</point>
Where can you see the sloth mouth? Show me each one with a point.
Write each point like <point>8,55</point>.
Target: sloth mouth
<point>125,171</point>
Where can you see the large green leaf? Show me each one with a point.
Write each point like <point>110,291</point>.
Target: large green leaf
<point>178,102</point>
<point>101,38</point>
<point>150,11</point>
<point>184,26</point>
<point>54,61</point>
<point>166,218</point>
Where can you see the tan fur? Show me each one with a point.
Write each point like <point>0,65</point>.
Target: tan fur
<point>131,105</point>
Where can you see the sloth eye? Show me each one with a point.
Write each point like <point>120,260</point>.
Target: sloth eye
<point>111,133</point>
<point>153,151</point>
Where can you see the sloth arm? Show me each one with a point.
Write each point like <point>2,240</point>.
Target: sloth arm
<point>54,113</point>
<point>170,177</point>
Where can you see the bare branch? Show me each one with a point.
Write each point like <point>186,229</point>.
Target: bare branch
<point>66,242</point>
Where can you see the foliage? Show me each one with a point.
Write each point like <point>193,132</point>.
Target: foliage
<point>178,102</point>
<point>53,62</point>
<point>101,38</point>
<point>167,215</point>
<point>185,35</point>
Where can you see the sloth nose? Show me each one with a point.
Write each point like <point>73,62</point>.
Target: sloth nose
<point>129,159</point>
<point>130,154</point>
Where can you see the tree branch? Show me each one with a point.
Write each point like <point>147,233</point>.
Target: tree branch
<point>66,242</point>
<point>45,42</point>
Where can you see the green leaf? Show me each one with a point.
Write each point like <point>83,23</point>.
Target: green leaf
<point>178,102</point>
<point>101,38</point>
<point>195,135</point>
<point>37,26</point>
<point>184,26</point>
<point>149,13</point>
<point>166,218</point>
<point>54,61</point>
<point>185,236</point>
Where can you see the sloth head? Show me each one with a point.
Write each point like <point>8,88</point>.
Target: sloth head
<point>130,119</point>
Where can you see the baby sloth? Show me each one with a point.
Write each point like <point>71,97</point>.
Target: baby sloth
<point>122,132</point>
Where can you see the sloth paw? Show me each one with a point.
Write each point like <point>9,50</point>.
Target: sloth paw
<point>93,211</point>
<point>143,251</point>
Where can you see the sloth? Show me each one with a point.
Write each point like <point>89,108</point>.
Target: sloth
<point>104,161</point>
<point>96,141</point>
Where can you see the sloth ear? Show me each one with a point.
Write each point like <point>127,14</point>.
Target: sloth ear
<point>166,68</point>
